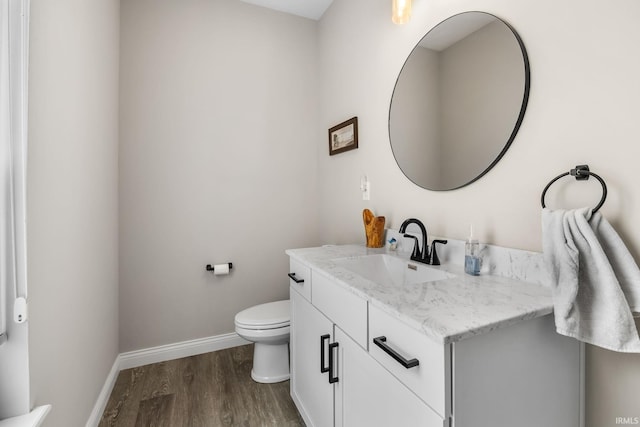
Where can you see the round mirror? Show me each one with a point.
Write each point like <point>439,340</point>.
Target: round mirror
<point>459,101</point>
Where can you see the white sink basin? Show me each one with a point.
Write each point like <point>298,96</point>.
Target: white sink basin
<point>391,270</point>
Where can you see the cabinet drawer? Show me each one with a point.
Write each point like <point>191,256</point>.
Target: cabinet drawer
<point>344,308</point>
<point>368,395</point>
<point>300,278</point>
<point>429,379</point>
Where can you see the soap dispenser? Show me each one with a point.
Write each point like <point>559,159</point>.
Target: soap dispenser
<point>472,260</point>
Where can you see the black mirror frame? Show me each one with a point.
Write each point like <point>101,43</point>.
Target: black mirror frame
<point>523,107</point>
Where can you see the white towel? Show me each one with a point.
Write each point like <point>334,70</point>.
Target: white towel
<point>595,280</point>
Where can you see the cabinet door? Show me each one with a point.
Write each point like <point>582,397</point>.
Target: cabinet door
<point>368,395</point>
<point>310,388</point>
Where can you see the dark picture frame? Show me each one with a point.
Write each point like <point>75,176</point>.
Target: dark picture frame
<point>343,137</point>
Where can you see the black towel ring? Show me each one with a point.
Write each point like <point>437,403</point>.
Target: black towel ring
<point>581,172</point>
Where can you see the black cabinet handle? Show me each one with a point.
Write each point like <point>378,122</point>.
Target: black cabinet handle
<point>293,277</point>
<point>332,365</point>
<point>323,339</point>
<point>382,343</point>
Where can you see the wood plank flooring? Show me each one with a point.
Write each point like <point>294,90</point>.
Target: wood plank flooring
<point>208,390</point>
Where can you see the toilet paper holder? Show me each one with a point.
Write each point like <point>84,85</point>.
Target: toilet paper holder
<point>212,268</point>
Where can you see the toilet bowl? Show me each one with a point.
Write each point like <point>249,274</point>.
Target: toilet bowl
<point>267,325</point>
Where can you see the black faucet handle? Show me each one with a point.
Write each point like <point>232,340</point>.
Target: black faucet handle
<point>416,249</point>
<point>434,255</point>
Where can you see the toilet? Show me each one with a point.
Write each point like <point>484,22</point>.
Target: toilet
<point>267,325</point>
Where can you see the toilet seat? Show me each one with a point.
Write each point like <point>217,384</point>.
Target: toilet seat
<point>272,315</point>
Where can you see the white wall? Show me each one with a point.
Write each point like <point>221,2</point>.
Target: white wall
<point>219,122</point>
<point>72,203</point>
<point>583,109</point>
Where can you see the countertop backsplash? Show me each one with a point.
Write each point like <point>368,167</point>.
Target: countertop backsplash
<point>516,264</point>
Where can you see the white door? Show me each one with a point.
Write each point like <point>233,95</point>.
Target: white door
<point>368,395</point>
<point>311,334</point>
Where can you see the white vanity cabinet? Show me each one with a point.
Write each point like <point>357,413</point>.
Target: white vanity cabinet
<point>429,380</point>
<point>352,389</point>
<point>311,333</point>
<point>354,364</point>
<point>369,395</point>
<point>334,380</point>
<point>316,370</point>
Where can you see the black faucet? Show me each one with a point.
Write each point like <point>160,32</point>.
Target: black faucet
<point>417,254</point>
<point>434,260</point>
<point>425,256</point>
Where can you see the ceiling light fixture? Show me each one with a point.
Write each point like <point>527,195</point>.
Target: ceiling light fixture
<point>401,11</point>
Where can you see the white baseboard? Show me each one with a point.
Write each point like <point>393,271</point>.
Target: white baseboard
<point>103,397</point>
<point>133,359</point>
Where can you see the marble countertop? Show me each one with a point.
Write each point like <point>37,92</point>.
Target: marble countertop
<point>447,310</point>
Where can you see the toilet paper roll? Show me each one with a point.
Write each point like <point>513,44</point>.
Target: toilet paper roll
<point>220,269</point>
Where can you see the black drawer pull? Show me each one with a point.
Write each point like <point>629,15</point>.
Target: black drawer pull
<point>323,339</point>
<point>293,277</point>
<point>382,343</point>
<point>332,365</point>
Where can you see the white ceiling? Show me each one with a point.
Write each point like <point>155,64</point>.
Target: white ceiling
<point>312,9</point>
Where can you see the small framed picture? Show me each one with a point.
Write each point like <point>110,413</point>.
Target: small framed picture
<point>343,137</point>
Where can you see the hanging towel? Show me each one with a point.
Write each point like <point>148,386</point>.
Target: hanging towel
<point>595,280</point>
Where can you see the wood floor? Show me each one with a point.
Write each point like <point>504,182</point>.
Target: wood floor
<point>212,389</point>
